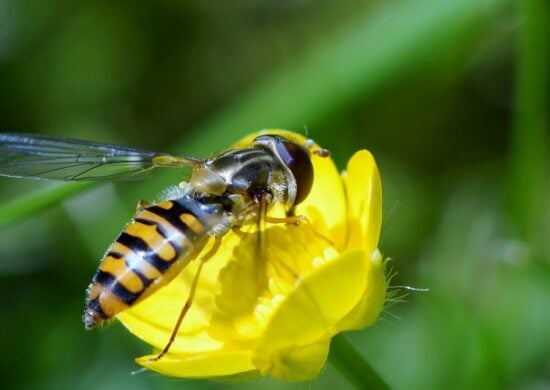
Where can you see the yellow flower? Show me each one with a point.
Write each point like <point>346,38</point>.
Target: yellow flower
<point>320,277</point>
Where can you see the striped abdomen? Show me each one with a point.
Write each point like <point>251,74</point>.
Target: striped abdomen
<point>150,251</point>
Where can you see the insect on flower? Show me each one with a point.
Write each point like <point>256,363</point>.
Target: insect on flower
<point>236,188</point>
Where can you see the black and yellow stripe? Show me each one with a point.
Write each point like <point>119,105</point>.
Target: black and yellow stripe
<point>161,238</point>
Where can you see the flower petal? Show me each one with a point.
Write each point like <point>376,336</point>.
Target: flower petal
<point>371,304</point>
<point>364,197</point>
<point>299,363</point>
<point>204,365</point>
<point>154,318</point>
<point>311,311</point>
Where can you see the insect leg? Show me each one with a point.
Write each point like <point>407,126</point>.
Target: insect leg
<point>292,219</point>
<point>142,205</point>
<point>190,297</point>
<point>261,273</point>
<point>261,244</point>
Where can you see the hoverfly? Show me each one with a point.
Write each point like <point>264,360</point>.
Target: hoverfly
<point>233,189</point>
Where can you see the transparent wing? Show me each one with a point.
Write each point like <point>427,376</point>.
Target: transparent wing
<point>42,157</point>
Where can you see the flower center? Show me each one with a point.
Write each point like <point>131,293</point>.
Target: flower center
<point>264,269</point>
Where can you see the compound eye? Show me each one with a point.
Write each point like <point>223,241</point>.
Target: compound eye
<point>298,161</point>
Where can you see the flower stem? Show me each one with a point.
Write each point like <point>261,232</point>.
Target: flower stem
<point>531,123</point>
<point>353,366</point>
<point>35,202</point>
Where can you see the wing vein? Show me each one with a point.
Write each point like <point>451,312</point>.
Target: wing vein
<point>43,157</point>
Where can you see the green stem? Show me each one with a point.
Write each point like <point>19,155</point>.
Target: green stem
<point>353,366</point>
<point>528,138</point>
<point>33,203</point>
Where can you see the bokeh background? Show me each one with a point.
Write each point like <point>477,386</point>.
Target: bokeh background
<point>450,96</point>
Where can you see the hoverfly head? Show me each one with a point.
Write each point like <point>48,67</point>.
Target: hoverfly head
<point>296,159</point>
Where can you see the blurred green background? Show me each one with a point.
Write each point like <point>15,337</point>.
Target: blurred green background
<point>452,97</point>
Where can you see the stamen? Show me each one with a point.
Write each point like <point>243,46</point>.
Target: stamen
<point>330,253</point>
<point>313,249</point>
<point>263,313</point>
<point>277,299</point>
<point>318,262</point>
